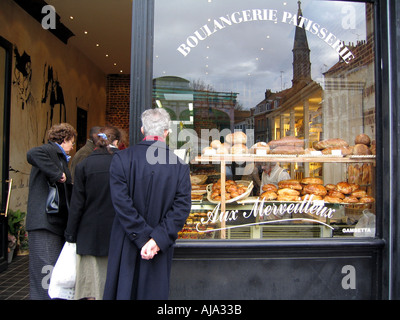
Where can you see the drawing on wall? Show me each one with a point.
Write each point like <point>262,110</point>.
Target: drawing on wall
<point>53,95</point>
<point>23,76</point>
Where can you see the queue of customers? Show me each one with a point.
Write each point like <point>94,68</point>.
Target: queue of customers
<point>111,208</point>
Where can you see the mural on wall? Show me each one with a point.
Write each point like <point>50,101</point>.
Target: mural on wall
<point>53,95</point>
<point>23,76</point>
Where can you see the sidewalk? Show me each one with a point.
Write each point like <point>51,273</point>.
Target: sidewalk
<point>14,282</point>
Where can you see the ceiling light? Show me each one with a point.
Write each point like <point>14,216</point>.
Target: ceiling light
<point>120,71</point>
<point>71,17</point>
<point>85,32</point>
<point>106,55</point>
<point>115,63</point>
<point>97,45</point>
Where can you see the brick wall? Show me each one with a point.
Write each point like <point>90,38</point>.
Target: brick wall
<point>117,107</point>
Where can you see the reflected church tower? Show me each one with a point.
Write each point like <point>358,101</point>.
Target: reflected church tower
<point>301,55</point>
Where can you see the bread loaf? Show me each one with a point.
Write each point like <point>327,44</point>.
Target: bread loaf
<point>287,141</point>
<point>344,150</point>
<point>239,149</point>
<point>287,150</point>
<point>215,144</point>
<point>362,139</point>
<point>237,137</point>
<point>328,143</point>
<point>361,149</point>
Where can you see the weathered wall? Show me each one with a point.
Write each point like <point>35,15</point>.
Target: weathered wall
<point>42,67</point>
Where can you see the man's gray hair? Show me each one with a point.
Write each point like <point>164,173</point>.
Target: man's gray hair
<point>155,121</point>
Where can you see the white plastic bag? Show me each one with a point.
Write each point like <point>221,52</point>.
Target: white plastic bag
<point>62,280</point>
<point>365,227</point>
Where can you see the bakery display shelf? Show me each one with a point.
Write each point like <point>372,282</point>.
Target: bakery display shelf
<point>283,158</point>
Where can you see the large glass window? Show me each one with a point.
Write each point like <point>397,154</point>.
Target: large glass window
<point>296,79</point>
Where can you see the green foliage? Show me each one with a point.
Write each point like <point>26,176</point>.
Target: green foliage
<point>15,222</point>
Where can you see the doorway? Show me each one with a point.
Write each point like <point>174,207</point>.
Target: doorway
<point>5,91</point>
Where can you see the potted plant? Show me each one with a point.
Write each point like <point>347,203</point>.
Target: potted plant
<point>15,225</point>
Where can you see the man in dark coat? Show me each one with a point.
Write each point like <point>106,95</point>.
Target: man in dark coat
<point>150,189</point>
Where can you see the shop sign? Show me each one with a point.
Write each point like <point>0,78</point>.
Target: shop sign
<point>262,211</point>
<point>275,16</point>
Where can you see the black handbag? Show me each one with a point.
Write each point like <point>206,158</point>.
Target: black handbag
<point>53,199</point>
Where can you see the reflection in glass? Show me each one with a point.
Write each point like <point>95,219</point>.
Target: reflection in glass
<point>301,69</point>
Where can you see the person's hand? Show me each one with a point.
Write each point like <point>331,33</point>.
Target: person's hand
<point>63,178</point>
<point>149,250</point>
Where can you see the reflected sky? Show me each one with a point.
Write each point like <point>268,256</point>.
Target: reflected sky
<point>248,57</point>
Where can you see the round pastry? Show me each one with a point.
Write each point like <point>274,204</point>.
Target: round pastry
<point>312,197</point>
<point>332,199</point>
<point>367,199</point>
<point>290,183</point>
<point>215,144</point>
<point>311,180</point>
<point>336,194</point>
<point>234,194</point>
<point>288,192</point>
<point>361,149</point>
<point>330,186</point>
<point>316,189</point>
<point>343,187</point>
<point>269,187</point>
<point>359,194</point>
<point>237,137</point>
<point>354,186</point>
<point>288,198</point>
<point>362,139</point>
<point>231,188</point>
<point>239,149</point>
<point>269,195</point>
<point>350,199</point>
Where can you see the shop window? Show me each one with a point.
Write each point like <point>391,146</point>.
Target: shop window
<point>297,76</point>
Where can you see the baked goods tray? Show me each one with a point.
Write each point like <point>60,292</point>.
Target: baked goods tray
<point>255,199</point>
<point>242,196</point>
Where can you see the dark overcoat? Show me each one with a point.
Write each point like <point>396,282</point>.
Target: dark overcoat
<point>150,189</point>
<point>91,211</point>
<point>48,164</point>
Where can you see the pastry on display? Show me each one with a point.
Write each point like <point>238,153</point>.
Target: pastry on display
<point>239,149</point>
<point>269,187</point>
<point>269,195</point>
<point>317,189</point>
<point>362,139</point>
<point>343,187</point>
<point>311,180</point>
<point>237,137</point>
<point>290,183</point>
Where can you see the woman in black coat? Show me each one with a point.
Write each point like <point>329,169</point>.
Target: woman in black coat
<point>46,231</point>
<point>91,216</point>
